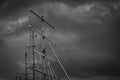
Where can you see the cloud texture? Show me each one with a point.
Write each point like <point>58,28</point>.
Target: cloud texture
<point>87,33</point>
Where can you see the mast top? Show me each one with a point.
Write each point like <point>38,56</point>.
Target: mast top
<point>42,19</point>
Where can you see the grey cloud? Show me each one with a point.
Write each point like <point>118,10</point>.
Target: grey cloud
<point>100,39</point>
<point>11,7</point>
<point>7,62</point>
<point>91,53</point>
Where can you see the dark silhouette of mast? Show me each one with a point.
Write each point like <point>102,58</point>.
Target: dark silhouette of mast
<point>45,71</point>
<point>42,19</point>
<point>43,48</point>
<point>32,36</point>
<point>26,73</point>
<point>50,43</point>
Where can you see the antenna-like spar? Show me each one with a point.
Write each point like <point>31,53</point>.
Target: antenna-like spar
<point>42,19</point>
<point>45,58</point>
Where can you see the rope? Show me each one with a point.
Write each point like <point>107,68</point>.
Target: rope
<point>59,62</point>
<point>53,71</point>
<point>50,71</point>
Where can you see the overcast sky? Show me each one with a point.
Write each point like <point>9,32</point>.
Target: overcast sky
<point>87,33</point>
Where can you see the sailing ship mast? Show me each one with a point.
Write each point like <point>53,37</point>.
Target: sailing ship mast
<point>26,73</point>
<point>46,71</point>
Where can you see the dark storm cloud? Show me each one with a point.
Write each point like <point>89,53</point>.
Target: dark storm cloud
<point>91,39</point>
<point>2,2</point>
<point>100,40</point>
<point>8,63</point>
<point>11,7</point>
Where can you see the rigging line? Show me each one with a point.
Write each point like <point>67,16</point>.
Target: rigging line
<point>40,62</point>
<point>53,70</point>
<point>37,60</point>
<point>36,40</point>
<point>43,55</point>
<point>50,71</point>
<point>45,37</point>
<point>59,62</point>
<point>32,37</point>
<point>29,52</point>
<point>42,19</point>
<point>37,55</point>
<point>36,70</point>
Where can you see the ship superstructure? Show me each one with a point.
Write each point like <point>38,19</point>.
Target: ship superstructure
<point>40,67</point>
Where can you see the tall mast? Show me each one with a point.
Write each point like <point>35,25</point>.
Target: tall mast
<point>32,36</point>
<point>44,37</point>
<point>42,19</point>
<point>46,71</point>
<point>43,47</point>
<point>26,66</point>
